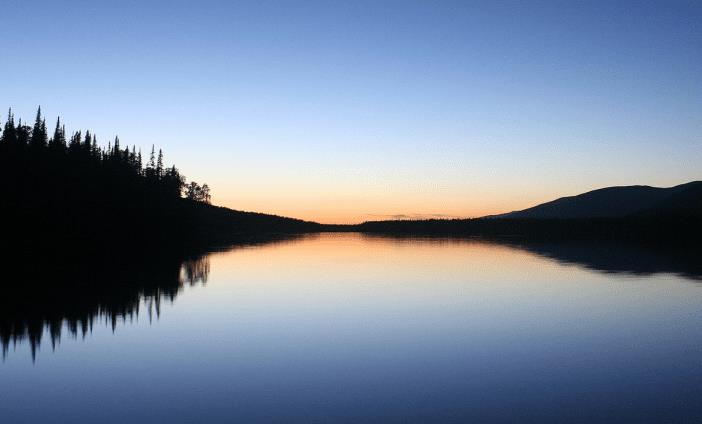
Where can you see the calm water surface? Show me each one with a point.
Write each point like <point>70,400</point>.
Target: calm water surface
<point>351,328</point>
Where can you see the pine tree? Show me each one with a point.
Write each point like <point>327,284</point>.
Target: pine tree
<point>87,143</point>
<point>131,159</point>
<point>23,134</point>
<point>58,141</point>
<point>9,135</point>
<point>75,142</point>
<point>151,166</point>
<point>159,165</point>
<point>43,130</point>
<point>38,139</point>
<point>116,151</point>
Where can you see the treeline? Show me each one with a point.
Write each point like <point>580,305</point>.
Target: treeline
<point>21,142</point>
<point>66,193</point>
<point>668,229</point>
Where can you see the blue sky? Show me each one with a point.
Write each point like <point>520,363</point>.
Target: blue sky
<point>344,111</point>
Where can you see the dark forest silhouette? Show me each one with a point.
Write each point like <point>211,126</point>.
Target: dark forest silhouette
<point>29,145</point>
<point>642,229</point>
<point>65,191</point>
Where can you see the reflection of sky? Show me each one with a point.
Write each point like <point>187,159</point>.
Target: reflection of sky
<point>339,112</point>
<point>367,329</point>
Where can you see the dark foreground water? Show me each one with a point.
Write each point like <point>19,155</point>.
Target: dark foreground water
<point>350,328</point>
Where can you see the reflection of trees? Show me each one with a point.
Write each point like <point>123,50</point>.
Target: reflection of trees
<point>72,289</point>
<point>195,270</point>
<point>48,298</point>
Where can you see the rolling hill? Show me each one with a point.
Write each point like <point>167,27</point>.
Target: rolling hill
<point>619,202</point>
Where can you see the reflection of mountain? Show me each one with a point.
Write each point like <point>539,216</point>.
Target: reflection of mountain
<point>56,298</point>
<point>629,258</point>
<point>601,256</point>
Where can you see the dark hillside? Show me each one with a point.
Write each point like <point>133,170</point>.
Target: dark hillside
<point>612,202</point>
<point>684,202</point>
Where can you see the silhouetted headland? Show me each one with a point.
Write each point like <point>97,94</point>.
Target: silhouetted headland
<point>68,193</point>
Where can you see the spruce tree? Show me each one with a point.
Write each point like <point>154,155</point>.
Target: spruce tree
<point>38,139</point>
<point>87,143</point>
<point>43,130</point>
<point>9,135</point>
<point>151,166</point>
<point>23,134</point>
<point>58,141</point>
<point>116,151</point>
<point>159,165</point>
<point>75,142</point>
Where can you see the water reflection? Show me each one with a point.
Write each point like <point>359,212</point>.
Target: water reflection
<point>74,299</point>
<point>70,293</point>
<point>353,328</point>
<point>608,257</point>
<point>621,258</point>
<point>52,297</point>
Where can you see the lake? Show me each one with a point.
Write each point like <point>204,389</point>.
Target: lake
<point>355,328</point>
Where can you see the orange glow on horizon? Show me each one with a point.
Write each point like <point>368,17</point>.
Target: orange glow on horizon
<point>348,203</point>
<point>345,211</point>
<point>327,216</point>
<point>337,198</point>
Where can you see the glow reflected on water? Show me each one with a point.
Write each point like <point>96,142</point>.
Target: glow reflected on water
<point>350,328</point>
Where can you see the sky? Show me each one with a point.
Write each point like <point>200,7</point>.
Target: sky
<point>359,110</point>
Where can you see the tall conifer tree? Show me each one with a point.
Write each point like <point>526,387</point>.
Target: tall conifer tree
<point>38,139</point>
<point>9,135</point>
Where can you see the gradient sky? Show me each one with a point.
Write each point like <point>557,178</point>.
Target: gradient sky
<point>349,111</point>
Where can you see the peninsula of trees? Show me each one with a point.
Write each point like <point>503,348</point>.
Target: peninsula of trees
<point>63,192</point>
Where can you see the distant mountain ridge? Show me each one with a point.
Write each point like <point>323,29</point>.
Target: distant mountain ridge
<point>618,202</point>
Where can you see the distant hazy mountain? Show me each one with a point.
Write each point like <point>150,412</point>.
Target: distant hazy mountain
<point>613,202</point>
